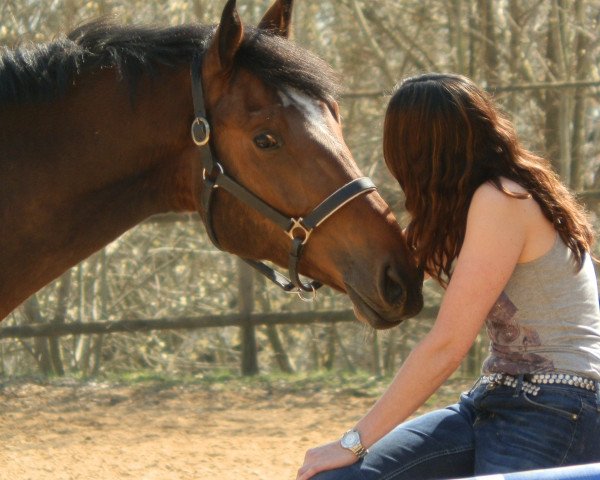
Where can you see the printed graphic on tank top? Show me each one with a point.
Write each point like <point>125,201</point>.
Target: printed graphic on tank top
<point>510,341</point>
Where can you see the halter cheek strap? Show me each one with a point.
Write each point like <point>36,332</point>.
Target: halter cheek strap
<point>298,229</point>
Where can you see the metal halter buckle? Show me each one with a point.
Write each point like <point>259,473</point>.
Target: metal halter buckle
<point>298,225</point>
<point>200,126</point>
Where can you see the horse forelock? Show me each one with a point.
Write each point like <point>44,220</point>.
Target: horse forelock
<point>41,72</point>
<point>285,65</point>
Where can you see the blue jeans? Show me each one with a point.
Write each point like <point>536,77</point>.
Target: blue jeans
<point>493,429</point>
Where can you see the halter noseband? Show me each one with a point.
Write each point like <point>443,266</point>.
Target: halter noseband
<point>298,229</point>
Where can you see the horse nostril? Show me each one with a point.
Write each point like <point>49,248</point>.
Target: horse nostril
<point>393,287</point>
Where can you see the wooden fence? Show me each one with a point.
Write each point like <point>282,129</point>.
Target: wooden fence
<point>48,333</point>
<point>182,323</point>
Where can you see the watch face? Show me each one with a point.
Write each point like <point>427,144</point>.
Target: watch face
<point>350,439</point>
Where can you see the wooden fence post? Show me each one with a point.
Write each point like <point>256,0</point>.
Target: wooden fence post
<point>247,332</point>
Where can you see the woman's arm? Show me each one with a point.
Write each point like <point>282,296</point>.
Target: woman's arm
<point>494,239</point>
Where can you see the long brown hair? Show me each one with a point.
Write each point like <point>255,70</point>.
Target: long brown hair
<point>443,138</point>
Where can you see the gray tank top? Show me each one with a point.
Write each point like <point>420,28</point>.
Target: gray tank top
<point>547,319</point>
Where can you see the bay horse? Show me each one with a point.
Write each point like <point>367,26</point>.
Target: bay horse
<point>95,137</point>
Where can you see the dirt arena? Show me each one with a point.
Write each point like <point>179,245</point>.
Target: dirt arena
<point>68,430</point>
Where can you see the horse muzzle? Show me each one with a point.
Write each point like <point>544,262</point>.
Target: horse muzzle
<point>392,301</point>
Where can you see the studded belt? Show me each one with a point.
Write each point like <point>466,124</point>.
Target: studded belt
<point>531,383</point>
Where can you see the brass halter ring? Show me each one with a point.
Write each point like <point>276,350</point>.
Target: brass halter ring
<point>297,225</point>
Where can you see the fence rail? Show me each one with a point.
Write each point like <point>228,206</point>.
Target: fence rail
<point>182,323</point>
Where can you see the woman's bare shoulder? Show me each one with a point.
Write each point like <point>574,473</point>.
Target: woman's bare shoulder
<point>489,193</point>
<point>494,208</point>
<point>519,210</point>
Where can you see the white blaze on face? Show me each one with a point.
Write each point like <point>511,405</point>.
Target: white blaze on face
<point>314,115</point>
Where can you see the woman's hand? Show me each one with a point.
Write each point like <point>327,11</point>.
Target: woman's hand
<point>326,457</point>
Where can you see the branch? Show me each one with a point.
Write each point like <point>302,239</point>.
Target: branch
<point>494,88</point>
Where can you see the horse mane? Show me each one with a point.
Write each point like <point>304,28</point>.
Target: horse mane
<point>42,72</point>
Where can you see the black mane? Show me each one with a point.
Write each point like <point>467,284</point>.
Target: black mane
<point>42,72</point>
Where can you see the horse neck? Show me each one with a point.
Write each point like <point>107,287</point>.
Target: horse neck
<point>79,171</point>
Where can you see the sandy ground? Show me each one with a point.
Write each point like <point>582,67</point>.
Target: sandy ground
<point>83,431</point>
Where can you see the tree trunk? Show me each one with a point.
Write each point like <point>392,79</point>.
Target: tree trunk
<point>281,356</point>
<point>389,360</point>
<point>347,360</point>
<point>375,354</point>
<point>97,355</point>
<point>314,348</point>
<point>554,104</point>
<point>458,38</point>
<point>331,341</point>
<point>62,304</point>
<point>582,49</point>
<point>490,46</point>
<point>41,352</point>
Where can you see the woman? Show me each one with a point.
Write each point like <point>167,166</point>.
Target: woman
<point>492,223</point>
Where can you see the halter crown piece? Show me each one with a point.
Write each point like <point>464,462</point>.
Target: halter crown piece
<point>298,229</point>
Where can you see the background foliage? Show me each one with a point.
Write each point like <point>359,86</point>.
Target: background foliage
<point>540,60</point>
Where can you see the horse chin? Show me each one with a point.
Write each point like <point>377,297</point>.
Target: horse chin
<point>366,313</point>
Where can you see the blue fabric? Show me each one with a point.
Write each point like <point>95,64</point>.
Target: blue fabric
<point>579,472</point>
<point>493,429</point>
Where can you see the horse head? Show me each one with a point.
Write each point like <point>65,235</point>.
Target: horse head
<point>276,131</point>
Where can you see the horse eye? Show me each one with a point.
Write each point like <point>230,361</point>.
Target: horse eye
<point>266,141</point>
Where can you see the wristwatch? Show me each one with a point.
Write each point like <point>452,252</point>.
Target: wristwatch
<point>351,441</point>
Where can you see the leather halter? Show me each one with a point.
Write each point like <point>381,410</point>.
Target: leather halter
<point>298,229</point>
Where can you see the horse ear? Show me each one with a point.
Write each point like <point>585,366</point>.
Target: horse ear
<point>227,39</point>
<point>278,18</point>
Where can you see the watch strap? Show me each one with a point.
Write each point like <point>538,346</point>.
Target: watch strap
<point>359,450</point>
